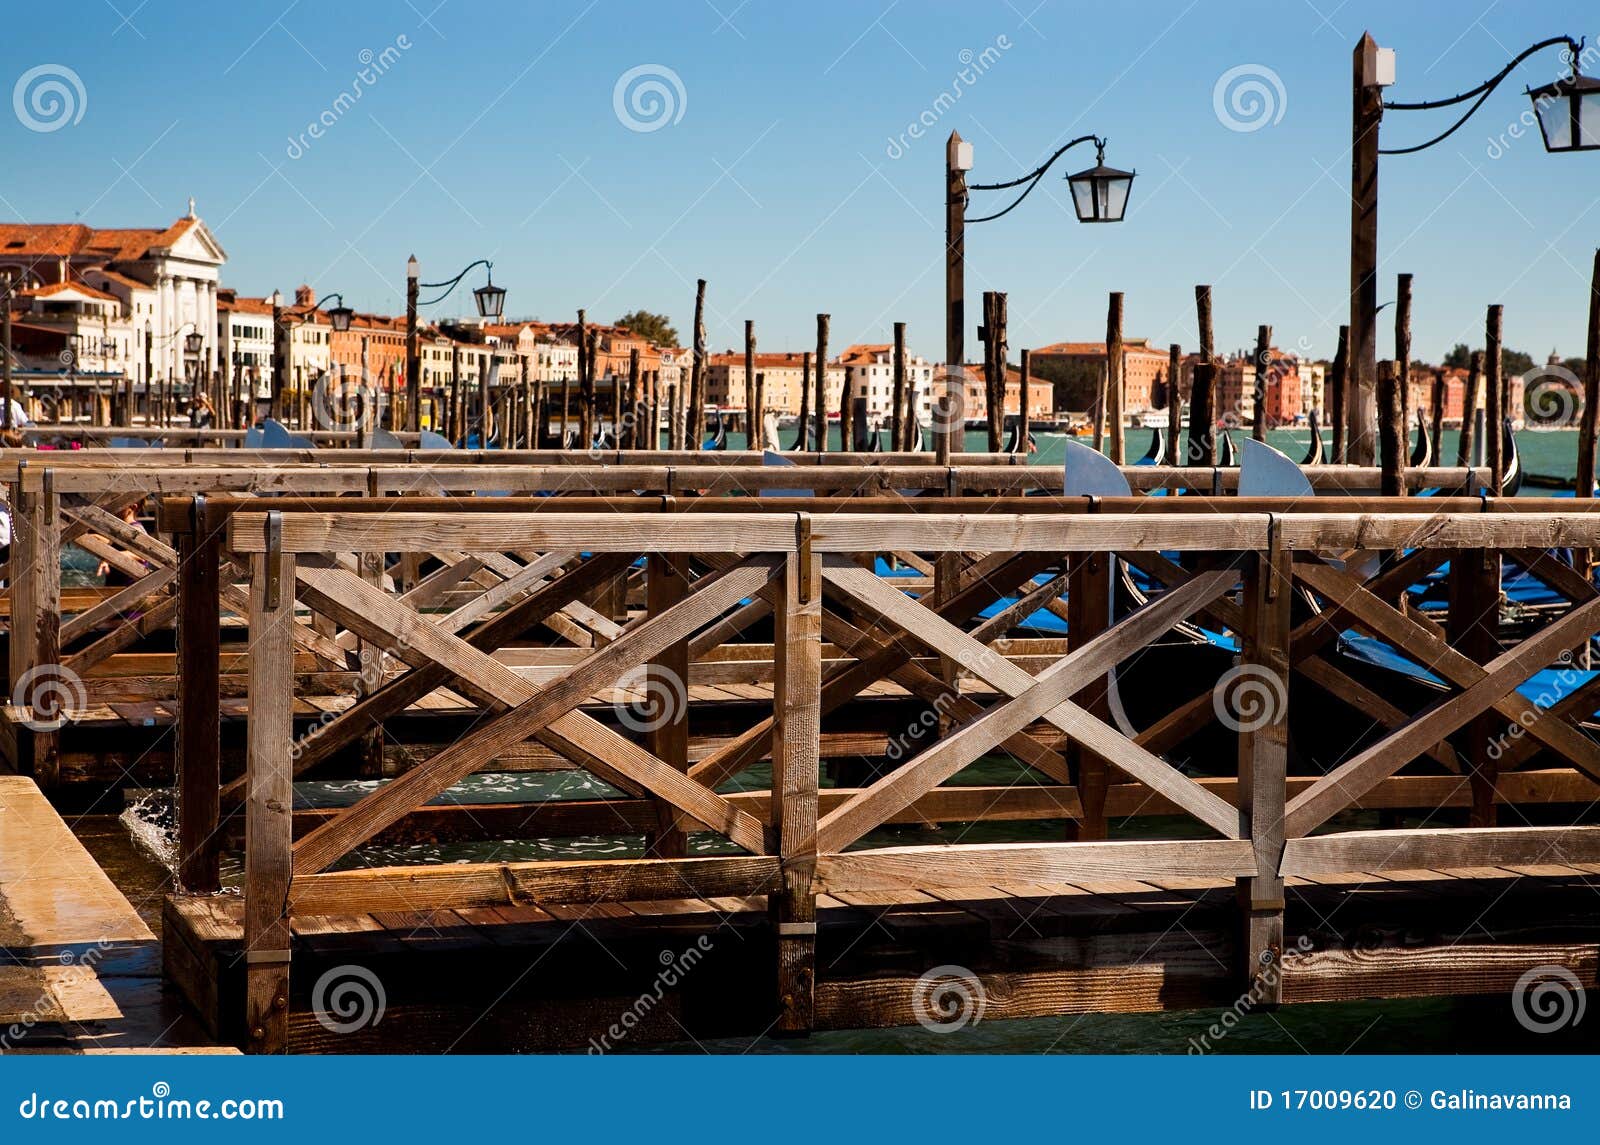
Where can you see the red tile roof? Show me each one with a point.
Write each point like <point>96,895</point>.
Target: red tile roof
<point>56,288</point>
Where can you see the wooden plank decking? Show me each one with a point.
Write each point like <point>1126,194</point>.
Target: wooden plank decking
<point>76,960</point>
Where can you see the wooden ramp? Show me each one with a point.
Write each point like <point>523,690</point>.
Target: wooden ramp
<point>79,969</point>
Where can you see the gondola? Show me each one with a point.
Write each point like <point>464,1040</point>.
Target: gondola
<point>1227,455</point>
<point>1157,450</point>
<point>718,438</point>
<point>1315,452</point>
<point>1422,455</point>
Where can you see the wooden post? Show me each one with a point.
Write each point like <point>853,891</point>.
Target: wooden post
<point>697,370</point>
<point>1493,401</point>
<point>1469,407</point>
<point>1026,367</point>
<point>1263,773</point>
<point>1174,402</point>
<point>1116,382</point>
<point>761,410</point>
<point>675,434</point>
<point>805,401</point>
<point>413,357</point>
<point>897,432</point>
<point>1366,108</point>
<point>1472,628</point>
<point>199,740</point>
<point>821,361</point>
<point>1263,361</point>
<point>796,734</point>
<point>1391,432</point>
<point>1402,347</point>
<point>1202,415</point>
<point>1088,615</point>
<point>1338,382</point>
<point>667,684</point>
<point>947,426</point>
<point>37,678</point>
<point>588,406</point>
<point>1436,429</point>
<point>633,401</point>
<point>269,826</point>
<point>566,406</point>
<point>752,415</point>
<point>585,386</point>
<point>1590,420</point>
<point>1202,306</point>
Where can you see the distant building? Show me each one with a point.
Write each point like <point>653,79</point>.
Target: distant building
<point>1075,369</point>
<point>869,374</point>
<point>785,380</point>
<point>132,295</point>
<point>1041,395</point>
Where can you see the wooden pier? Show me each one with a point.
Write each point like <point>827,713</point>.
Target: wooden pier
<point>802,818</point>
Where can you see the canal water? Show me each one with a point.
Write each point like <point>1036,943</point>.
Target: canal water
<point>1435,1025</point>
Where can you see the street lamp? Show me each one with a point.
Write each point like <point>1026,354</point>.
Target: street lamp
<point>1568,112</point>
<point>489,299</point>
<point>1099,195</point>
<point>339,316</point>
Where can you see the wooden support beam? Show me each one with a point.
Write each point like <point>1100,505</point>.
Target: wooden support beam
<point>1473,627</point>
<point>796,769</point>
<point>268,822</point>
<point>1263,728</point>
<point>199,739</point>
<point>1042,697</point>
<point>38,678</point>
<point>1089,615</point>
<point>1347,782</point>
<point>535,711</point>
<point>666,686</point>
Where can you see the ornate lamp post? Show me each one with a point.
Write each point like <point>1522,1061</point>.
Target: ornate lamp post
<point>1099,195</point>
<point>1568,112</point>
<point>489,299</point>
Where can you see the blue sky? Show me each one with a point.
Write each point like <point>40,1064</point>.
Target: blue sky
<point>493,132</point>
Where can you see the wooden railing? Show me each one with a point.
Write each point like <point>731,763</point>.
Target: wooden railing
<point>1254,574</point>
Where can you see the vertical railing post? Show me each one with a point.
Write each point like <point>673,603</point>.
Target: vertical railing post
<point>199,739</point>
<point>667,689</point>
<point>268,818</point>
<point>37,678</point>
<point>796,766</point>
<point>370,655</point>
<point>1471,628</point>
<point>1263,725</point>
<point>1088,615</point>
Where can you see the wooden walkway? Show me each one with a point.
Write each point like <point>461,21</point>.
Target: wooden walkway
<point>529,978</point>
<point>79,969</point>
